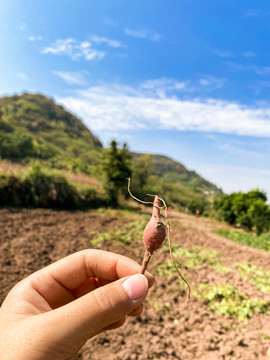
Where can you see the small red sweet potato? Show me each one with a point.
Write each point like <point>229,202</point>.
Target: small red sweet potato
<point>155,233</point>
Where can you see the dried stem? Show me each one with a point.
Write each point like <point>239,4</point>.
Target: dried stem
<point>133,197</point>
<point>146,259</point>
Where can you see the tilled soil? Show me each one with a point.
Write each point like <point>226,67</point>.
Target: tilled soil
<point>171,326</point>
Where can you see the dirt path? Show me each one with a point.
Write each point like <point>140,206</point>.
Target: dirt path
<point>170,327</point>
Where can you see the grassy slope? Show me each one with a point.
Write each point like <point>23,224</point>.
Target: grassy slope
<point>54,133</point>
<point>33,126</point>
<point>176,172</point>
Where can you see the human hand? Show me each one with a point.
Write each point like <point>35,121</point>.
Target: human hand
<point>53,312</point>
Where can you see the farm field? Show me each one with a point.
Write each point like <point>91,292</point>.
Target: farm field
<point>227,317</point>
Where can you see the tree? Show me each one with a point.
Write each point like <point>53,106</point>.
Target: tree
<point>224,207</point>
<point>240,206</point>
<point>117,169</point>
<point>16,146</point>
<point>194,206</point>
<point>141,170</point>
<point>249,210</point>
<point>260,214</point>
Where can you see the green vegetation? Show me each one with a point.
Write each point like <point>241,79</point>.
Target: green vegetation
<point>225,299</point>
<point>128,234</point>
<point>117,169</point>
<point>265,336</point>
<point>33,127</point>
<point>191,257</point>
<point>260,242</point>
<point>39,188</point>
<point>166,307</point>
<point>167,268</point>
<point>174,172</point>
<point>249,210</point>
<point>258,276</point>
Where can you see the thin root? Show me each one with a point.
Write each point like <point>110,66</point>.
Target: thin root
<point>172,258</point>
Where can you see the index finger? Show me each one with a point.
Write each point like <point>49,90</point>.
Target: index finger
<point>72,271</point>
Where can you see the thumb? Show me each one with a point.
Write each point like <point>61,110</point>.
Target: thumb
<point>87,316</point>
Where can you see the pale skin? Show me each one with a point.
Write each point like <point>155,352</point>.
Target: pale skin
<point>53,312</point>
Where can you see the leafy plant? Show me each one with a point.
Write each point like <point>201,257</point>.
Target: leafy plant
<point>260,242</point>
<point>192,257</point>
<point>258,276</point>
<point>162,308</point>
<point>167,268</point>
<point>130,233</point>
<point>226,300</point>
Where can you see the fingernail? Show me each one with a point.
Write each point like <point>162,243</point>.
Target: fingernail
<point>135,286</point>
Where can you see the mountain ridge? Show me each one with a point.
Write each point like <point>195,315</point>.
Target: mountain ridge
<point>35,126</point>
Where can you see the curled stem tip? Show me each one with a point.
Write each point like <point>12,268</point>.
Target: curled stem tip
<point>133,197</point>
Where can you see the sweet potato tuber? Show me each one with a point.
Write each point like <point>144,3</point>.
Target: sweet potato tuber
<point>155,233</point>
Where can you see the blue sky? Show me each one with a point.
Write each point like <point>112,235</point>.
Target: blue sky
<point>188,79</point>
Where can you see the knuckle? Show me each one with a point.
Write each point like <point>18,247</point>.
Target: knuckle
<point>104,300</point>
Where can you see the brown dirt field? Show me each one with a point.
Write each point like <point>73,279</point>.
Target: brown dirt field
<point>175,329</point>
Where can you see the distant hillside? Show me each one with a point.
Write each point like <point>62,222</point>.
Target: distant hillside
<point>175,172</point>
<point>33,126</point>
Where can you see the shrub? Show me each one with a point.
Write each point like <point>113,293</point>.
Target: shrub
<point>246,209</point>
<point>44,189</point>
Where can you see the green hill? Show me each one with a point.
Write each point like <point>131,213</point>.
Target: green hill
<point>176,172</point>
<point>33,126</point>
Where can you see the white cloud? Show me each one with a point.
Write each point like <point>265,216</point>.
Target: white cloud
<point>143,34</point>
<point>60,47</point>
<point>259,70</point>
<point>160,87</point>
<point>81,50</point>
<point>251,13</point>
<point>22,76</point>
<point>211,82</point>
<point>109,42</point>
<point>22,26</point>
<point>116,107</point>
<point>35,38</point>
<point>265,84</point>
<point>71,77</point>
<point>235,178</point>
<point>163,87</point>
<point>249,54</point>
<point>108,21</point>
<point>223,53</point>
